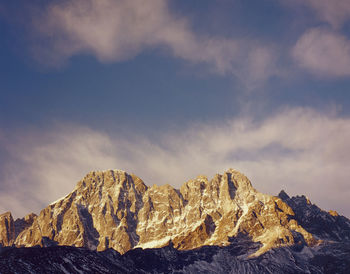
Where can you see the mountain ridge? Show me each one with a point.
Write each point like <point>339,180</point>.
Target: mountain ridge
<point>114,209</point>
<point>112,222</point>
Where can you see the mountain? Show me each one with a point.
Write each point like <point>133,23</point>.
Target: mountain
<point>116,220</point>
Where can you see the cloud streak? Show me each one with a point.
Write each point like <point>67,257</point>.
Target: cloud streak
<point>118,30</point>
<point>300,150</point>
<point>114,31</point>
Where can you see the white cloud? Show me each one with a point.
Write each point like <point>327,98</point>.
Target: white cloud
<point>115,30</point>
<point>323,52</point>
<point>300,150</point>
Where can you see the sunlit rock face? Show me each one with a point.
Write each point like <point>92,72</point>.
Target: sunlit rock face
<point>7,229</point>
<point>112,209</point>
<point>23,223</point>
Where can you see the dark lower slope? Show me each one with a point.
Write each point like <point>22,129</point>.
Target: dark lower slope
<point>333,258</point>
<point>58,259</point>
<point>329,258</point>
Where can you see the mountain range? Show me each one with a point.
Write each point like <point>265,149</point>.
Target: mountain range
<point>112,222</point>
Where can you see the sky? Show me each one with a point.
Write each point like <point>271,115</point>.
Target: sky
<point>169,90</point>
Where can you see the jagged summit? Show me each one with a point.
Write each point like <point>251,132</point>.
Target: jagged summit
<point>7,231</point>
<point>328,226</point>
<point>283,195</point>
<point>114,209</point>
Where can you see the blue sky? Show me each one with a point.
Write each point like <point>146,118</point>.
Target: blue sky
<point>169,90</point>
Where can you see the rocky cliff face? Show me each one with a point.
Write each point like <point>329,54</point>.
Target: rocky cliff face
<point>7,229</point>
<point>323,225</point>
<point>112,209</point>
<point>24,223</point>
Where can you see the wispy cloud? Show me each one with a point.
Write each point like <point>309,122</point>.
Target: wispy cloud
<point>335,12</point>
<point>118,30</point>
<point>300,150</point>
<point>323,52</point>
<point>41,166</point>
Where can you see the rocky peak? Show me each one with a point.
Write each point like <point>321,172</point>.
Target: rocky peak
<point>7,229</point>
<point>239,180</point>
<point>97,182</point>
<point>283,195</point>
<point>324,225</point>
<point>23,223</point>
